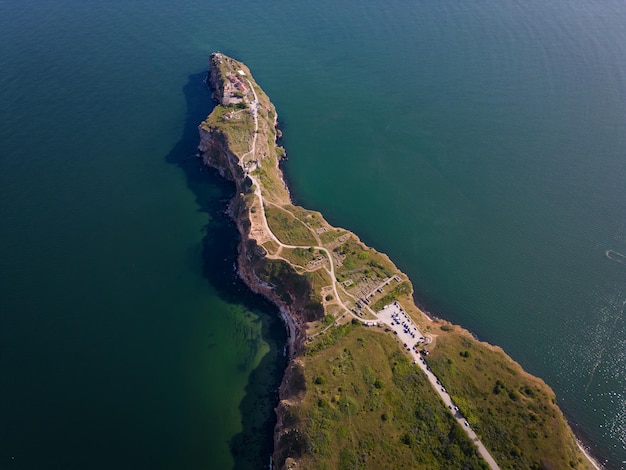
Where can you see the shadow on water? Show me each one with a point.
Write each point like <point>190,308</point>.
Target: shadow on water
<point>251,448</point>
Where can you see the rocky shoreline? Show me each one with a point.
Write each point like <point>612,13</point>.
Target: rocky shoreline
<point>240,141</point>
<point>215,153</point>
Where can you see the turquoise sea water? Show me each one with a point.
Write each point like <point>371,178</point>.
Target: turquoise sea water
<point>482,146</point>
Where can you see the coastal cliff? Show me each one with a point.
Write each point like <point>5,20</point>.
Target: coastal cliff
<point>353,394</point>
<point>220,147</point>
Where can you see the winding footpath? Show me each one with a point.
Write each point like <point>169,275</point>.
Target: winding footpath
<point>419,361</point>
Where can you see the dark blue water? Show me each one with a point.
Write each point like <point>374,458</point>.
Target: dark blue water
<point>481,144</point>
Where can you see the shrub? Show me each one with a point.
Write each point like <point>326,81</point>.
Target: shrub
<point>319,380</point>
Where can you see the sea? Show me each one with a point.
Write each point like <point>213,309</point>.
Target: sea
<point>480,144</point>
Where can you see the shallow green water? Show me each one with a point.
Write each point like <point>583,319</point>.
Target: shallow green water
<point>481,145</point>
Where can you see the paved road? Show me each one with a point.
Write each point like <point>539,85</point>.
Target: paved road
<point>408,333</point>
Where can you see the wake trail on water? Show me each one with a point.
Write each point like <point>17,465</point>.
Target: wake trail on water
<point>615,256</point>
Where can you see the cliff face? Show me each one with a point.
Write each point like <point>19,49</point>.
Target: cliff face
<point>214,78</point>
<point>324,280</point>
<point>216,151</point>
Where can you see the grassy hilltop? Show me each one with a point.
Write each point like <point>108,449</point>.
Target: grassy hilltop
<point>352,396</point>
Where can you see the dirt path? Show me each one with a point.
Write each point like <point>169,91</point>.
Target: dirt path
<point>418,359</point>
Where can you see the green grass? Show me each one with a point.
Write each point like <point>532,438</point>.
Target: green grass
<point>358,257</point>
<point>514,413</point>
<point>368,406</point>
<point>399,291</point>
<point>310,218</point>
<point>288,229</point>
<point>263,177</point>
<point>270,246</point>
<point>319,278</point>
<point>301,256</point>
<point>239,130</point>
<point>331,235</point>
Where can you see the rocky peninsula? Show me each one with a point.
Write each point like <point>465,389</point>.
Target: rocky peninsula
<point>372,382</point>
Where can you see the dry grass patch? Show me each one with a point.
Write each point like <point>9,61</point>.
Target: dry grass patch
<point>239,128</point>
<point>287,228</point>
